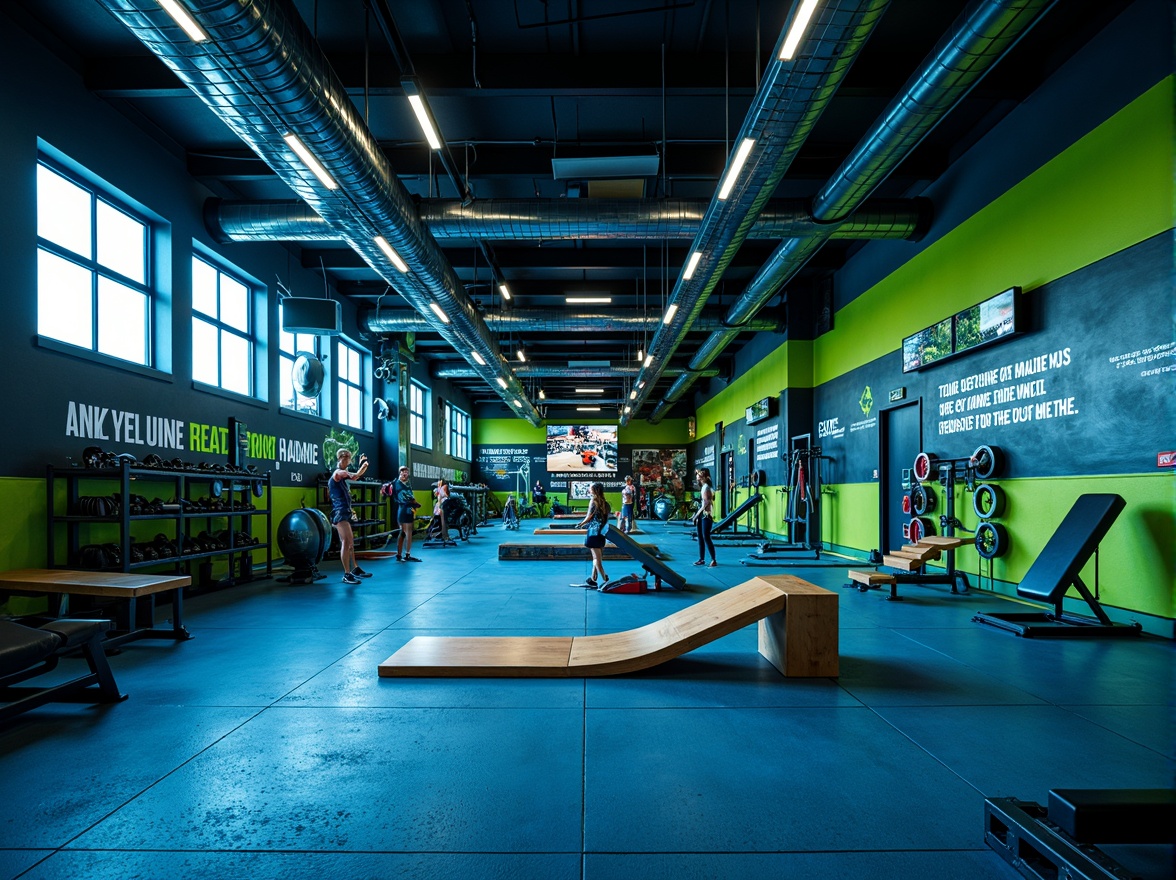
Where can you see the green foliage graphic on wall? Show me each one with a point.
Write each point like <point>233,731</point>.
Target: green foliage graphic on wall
<point>335,441</point>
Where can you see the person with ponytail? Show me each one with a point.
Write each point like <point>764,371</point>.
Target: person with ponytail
<point>596,524</point>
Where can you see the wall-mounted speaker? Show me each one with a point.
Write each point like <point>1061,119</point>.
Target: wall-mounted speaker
<point>322,317</point>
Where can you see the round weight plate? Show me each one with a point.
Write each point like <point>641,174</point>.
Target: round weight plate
<point>987,461</point>
<point>920,528</point>
<point>922,499</point>
<point>759,478</point>
<point>988,501</point>
<point>906,504</point>
<point>216,488</point>
<point>992,540</point>
<point>924,464</point>
<point>258,488</point>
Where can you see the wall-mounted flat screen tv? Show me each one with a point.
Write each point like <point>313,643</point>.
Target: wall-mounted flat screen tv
<point>582,448</point>
<point>927,346</point>
<point>988,321</point>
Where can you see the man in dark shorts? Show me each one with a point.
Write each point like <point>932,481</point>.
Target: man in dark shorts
<point>406,506</point>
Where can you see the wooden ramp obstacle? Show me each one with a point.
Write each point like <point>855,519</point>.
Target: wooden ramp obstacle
<point>797,634</point>
<point>517,551</point>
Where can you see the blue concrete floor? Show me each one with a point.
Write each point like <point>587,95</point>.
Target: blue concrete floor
<point>267,747</point>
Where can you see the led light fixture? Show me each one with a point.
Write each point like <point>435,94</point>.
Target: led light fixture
<point>478,358</point>
<point>587,409</point>
<point>736,166</point>
<point>391,254</point>
<point>641,354</point>
<point>590,391</point>
<point>628,409</point>
<point>588,300</point>
<point>799,24</point>
<point>501,382</point>
<point>648,360</point>
<point>416,99</point>
<point>183,18</point>
<point>633,394</point>
<point>439,313</point>
<point>670,312</point>
<point>542,396</point>
<point>310,161</point>
<point>505,291</point>
<point>691,265</point>
<point>521,355</point>
<point>516,402</point>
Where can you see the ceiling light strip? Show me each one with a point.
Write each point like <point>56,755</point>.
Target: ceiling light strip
<point>391,254</point>
<point>796,32</point>
<point>736,166</point>
<point>184,19</point>
<point>310,161</point>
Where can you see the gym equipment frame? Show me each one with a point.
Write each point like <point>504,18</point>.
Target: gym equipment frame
<point>1057,568</point>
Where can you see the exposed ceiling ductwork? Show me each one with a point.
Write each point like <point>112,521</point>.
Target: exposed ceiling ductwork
<point>978,39</point>
<point>540,371</point>
<point>791,98</point>
<point>263,74</point>
<point>585,219</point>
<point>376,322</point>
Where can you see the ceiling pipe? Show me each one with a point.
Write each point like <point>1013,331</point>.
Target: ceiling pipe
<point>375,322</point>
<point>791,98</point>
<point>976,41</point>
<point>563,219</point>
<point>262,73</point>
<point>543,371</point>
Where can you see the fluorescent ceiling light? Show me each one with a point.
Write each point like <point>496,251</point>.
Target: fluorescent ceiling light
<point>390,253</point>
<point>505,291</point>
<point>590,391</point>
<point>628,409</point>
<point>649,360</point>
<point>633,395</point>
<point>184,20</point>
<point>422,114</point>
<point>501,382</point>
<point>796,31</point>
<point>735,167</point>
<point>522,356</point>
<point>310,161</point>
<point>641,384</point>
<point>670,312</point>
<point>516,402</point>
<point>542,396</point>
<point>641,354</point>
<point>691,265</point>
<point>588,300</point>
<point>439,313</point>
<point>478,358</point>
<point>587,409</point>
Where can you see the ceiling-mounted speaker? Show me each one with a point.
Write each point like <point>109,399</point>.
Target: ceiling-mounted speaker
<point>302,314</point>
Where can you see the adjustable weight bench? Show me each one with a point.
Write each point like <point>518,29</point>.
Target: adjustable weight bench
<point>1056,569</point>
<point>29,651</point>
<point>734,515</point>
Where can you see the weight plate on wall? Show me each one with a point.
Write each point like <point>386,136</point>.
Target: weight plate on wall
<point>920,528</point>
<point>759,478</point>
<point>987,461</point>
<point>906,504</point>
<point>924,464</point>
<point>988,501</point>
<point>922,499</point>
<point>992,540</point>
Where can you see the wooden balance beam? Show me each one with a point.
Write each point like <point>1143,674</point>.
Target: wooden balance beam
<point>797,634</point>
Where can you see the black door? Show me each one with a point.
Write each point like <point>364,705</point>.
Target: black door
<point>900,437</point>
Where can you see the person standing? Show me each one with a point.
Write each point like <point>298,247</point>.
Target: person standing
<point>539,497</point>
<point>342,514</point>
<point>628,498</point>
<point>595,523</point>
<point>406,506</point>
<point>441,493</point>
<point>704,517</point>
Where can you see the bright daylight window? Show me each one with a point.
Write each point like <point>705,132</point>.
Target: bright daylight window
<point>351,388</point>
<point>457,432</point>
<point>222,329</point>
<point>93,262</point>
<point>418,407</point>
<point>291,345</point>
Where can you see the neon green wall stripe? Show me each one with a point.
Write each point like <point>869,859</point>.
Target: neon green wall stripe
<point>1110,190</point>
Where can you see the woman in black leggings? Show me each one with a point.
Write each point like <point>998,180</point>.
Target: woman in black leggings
<point>704,518</point>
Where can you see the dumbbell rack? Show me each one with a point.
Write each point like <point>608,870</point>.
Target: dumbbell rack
<point>66,523</point>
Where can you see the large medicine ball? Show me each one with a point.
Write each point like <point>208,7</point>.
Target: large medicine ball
<point>663,507</point>
<point>300,538</point>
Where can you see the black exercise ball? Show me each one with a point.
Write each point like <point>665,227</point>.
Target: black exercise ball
<point>300,538</point>
<point>662,508</point>
<point>326,531</point>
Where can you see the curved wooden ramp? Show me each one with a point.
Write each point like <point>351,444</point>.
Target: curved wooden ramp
<point>799,637</point>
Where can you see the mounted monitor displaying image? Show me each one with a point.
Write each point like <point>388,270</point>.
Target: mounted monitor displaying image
<point>579,448</point>
<point>988,321</point>
<point>927,346</point>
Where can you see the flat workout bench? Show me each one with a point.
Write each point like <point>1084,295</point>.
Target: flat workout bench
<point>797,634</point>
<point>1056,569</point>
<point>135,620</point>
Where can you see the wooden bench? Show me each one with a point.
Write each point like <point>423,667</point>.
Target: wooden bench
<point>798,634</point>
<point>135,620</point>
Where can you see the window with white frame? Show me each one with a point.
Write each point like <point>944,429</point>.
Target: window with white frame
<point>223,339</point>
<point>457,432</point>
<point>351,386</point>
<point>93,267</point>
<point>418,408</point>
<point>291,345</point>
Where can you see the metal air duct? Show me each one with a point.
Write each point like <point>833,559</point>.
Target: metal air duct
<point>790,99</point>
<point>263,74</point>
<point>978,38</point>
<point>376,322</point>
<point>541,371</point>
<point>555,219</point>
